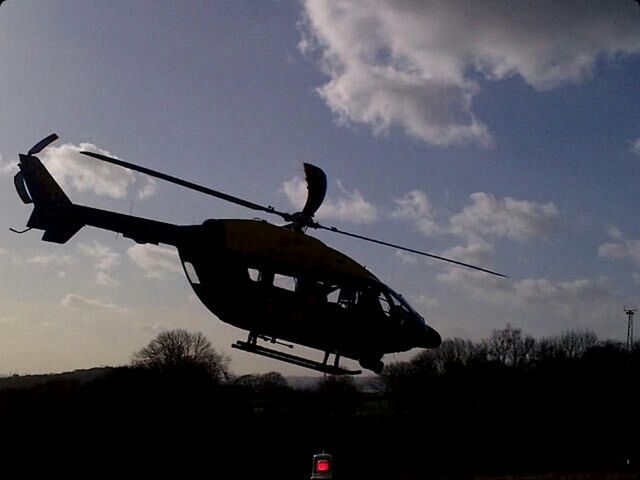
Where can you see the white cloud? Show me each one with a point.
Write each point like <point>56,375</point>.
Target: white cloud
<point>406,258</point>
<point>72,300</point>
<point>105,280</point>
<point>635,146</point>
<point>296,191</point>
<point>350,207</point>
<point>486,215</point>
<point>8,168</point>
<point>516,219</point>
<point>88,174</point>
<point>476,252</point>
<point>480,285</point>
<point>589,300</point>
<point>85,173</point>
<point>614,233</point>
<point>415,206</point>
<point>621,249</point>
<point>106,258</point>
<point>156,261</point>
<point>148,189</point>
<point>413,64</point>
<point>51,259</point>
<point>542,290</point>
<point>61,274</point>
<point>426,301</point>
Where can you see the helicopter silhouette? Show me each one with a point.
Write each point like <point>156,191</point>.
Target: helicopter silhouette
<point>276,282</point>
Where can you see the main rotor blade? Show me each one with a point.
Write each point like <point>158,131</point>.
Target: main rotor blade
<point>42,144</point>
<point>316,190</point>
<point>399,247</point>
<point>191,185</point>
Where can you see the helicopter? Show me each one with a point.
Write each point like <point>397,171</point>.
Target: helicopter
<point>278,283</point>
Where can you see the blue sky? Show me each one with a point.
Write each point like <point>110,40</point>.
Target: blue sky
<point>502,135</point>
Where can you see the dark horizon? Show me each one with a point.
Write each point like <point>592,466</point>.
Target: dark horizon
<point>507,405</point>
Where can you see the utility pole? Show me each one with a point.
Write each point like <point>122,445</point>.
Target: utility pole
<point>630,313</point>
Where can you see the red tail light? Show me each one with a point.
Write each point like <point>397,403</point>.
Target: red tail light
<point>323,466</point>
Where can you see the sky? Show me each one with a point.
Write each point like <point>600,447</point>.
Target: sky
<point>504,134</point>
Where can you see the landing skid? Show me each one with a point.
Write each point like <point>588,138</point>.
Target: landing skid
<point>293,359</point>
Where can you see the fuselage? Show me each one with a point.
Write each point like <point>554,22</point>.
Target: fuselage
<point>286,285</point>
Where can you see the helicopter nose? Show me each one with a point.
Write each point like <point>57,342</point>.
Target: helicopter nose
<point>429,338</point>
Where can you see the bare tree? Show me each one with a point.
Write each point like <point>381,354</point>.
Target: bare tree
<point>456,353</point>
<point>576,342</point>
<point>571,344</point>
<point>510,347</point>
<point>451,354</point>
<point>175,349</point>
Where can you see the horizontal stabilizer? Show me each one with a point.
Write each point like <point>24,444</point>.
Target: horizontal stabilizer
<point>61,233</point>
<point>59,224</point>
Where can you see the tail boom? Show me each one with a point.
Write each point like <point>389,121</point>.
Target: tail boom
<point>141,230</point>
<point>61,219</point>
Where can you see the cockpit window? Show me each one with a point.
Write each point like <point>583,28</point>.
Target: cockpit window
<point>404,305</point>
<point>385,303</point>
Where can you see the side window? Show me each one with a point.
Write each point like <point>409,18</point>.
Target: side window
<point>334,296</point>
<point>254,274</point>
<point>347,296</point>
<point>285,282</point>
<point>369,300</point>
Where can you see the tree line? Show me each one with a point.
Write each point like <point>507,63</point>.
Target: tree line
<point>506,404</point>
